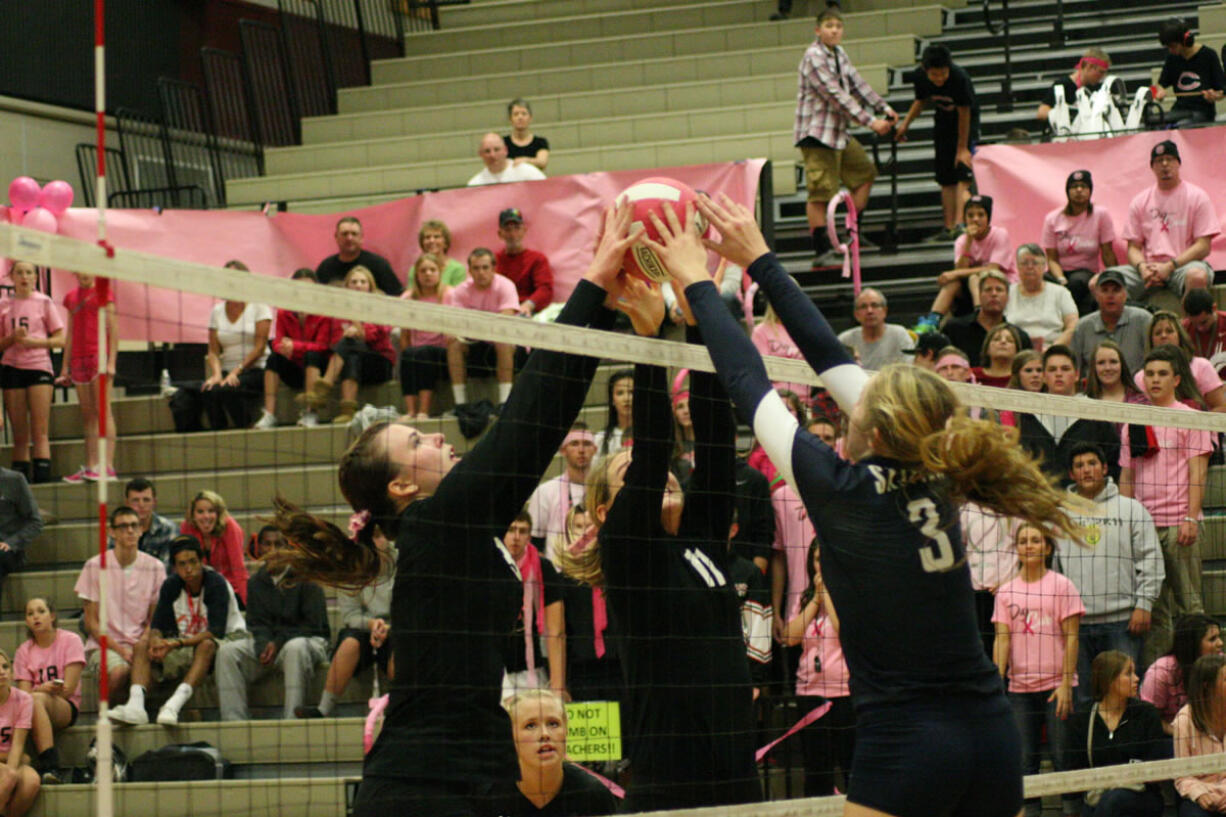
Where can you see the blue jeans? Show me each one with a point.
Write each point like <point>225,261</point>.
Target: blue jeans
<point>1032,710</point>
<point>1098,638</point>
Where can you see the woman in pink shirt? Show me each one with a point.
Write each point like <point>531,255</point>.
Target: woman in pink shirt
<point>821,676</point>
<point>79,368</point>
<point>363,353</point>
<point>1196,634</point>
<point>19,783</point>
<point>48,665</point>
<point>1200,728</point>
<point>221,536</point>
<point>423,355</point>
<point>30,326</point>
<point>1037,617</point>
<point>770,338</point>
<point>1165,329</point>
<point>1077,239</point>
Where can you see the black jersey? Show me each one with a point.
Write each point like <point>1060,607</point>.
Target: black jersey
<point>957,92</point>
<point>688,699</point>
<point>1201,73</point>
<point>517,646</point>
<point>457,592</point>
<point>581,795</point>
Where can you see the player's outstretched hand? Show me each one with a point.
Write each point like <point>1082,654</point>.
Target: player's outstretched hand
<point>612,240</point>
<point>643,304</point>
<point>679,248</point>
<point>740,238</point>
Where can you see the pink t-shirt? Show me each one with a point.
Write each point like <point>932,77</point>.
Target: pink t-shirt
<point>500,295</point>
<point>773,339</point>
<point>1160,482</point>
<point>41,319</point>
<point>1163,687</point>
<point>1166,222</point>
<point>793,533</point>
<point>417,337</point>
<point>821,642</point>
<point>1034,612</point>
<point>82,307</point>
<point>1077,239</point>
<point>994,248</point>
<point>990,552</point>
<point>38,665</point>
<point>17,712</point>
<point>131,593</point>
<point>1206,377</point>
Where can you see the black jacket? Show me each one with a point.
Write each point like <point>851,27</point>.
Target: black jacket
<point>279,613</point>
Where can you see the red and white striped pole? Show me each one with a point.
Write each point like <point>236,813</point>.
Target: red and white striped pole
<point>103,766</point>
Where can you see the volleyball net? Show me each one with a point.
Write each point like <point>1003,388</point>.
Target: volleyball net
<point>278,764</point>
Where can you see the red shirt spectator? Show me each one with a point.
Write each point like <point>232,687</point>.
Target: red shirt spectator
<point>308,333</point>
<point>528,269</point>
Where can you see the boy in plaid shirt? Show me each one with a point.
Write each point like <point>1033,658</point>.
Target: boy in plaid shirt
<point>832,96</point>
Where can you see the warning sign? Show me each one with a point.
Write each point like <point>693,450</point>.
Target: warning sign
<point>593,731</point>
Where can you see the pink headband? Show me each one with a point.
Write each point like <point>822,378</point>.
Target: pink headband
<point>578,435</point>
<point>357,522</point>
<point>952,358</point>
<point>1095,61</point>
<point>679,396</point>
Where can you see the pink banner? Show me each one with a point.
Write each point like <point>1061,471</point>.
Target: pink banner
<point>1026,182</point>
<point>562,216</point>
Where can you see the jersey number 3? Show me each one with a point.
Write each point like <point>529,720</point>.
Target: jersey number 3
<point>938,554</point>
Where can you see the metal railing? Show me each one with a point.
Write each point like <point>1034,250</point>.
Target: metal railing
<point>1006,85</point>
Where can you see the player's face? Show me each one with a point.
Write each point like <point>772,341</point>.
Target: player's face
<point>1211,643</point>
<point>521,117</point>
<point>1079,194</point>
<point>830,32</point>
<point>517,538</point>
<point>937,76</point>
<point>481,270</point>
<point>423,459</point>
<point>427,275</point>
<point>1031,375</point>
<point>1163,333</point>
<point>1032,547</point>
<point>1107,366</point>
<point>1160,381</point>
<point>24,276</point>
<point>349,238</point>
<point>993,295</point>
<point>578,453</point>
<point>142,502</point>
<point>126,531</point>
<point>1166,169</point>
<point>40,619</point>
<point>204,515</point>
<point>433,241</point>
<point>1060,375</point>
<point>1090,474</point>
<point>540,732</point>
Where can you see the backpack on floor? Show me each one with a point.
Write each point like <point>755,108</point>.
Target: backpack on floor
<point>180,761</point>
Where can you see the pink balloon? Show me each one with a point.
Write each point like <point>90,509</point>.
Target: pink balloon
<point>16,215</point>
<point>24,193</point>
<point>4,214</point>
<point>41,219</point>
<point>56,197</point>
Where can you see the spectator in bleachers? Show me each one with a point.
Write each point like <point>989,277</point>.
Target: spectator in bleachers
<point>288,622</point>
<point>19,783</point>
<point>20,521</point>
<point>1027,371</point>
<point>220,537</point>
<point>953,366</point>
<point>1115,320</point>
<point>541,617</point>
<point>977,251</point>
<point>1198,731</point>
<point>682,462</point>
<point>156,531</point>
<point>362,353</point>
<point>435,239</point>
<point>1170,483</point>
<point>1108,376</point>
<point>927,347</point>
<point>524,146</point>
<point>1120,575</point>
<point>770,338</point>
<point>831,98</point>
<point>1206,327</point>
<point>268,539</point>
<point>48,665</point>
<point>1089,73</point>
<point>1169,229</point>
<point>968,332</point>
<point>299,356</point>
<point>498,168</point>
<point>1000,346</point>
<point>939,81</point>
<point>547,783</point>
<point>31,326</point>
<point>789,568</point>
<point>1193,71</point>
<point>593,668</point>
<point>196,609</point>
<point>528,269</point>
<point>1044,310</point>
<point>423,354</point>
<point>877,343</point>
<point>1077,239</point>
<point>350,253</point>
<point>1051,437</point>
<point>363,638</point>
<point>1037,617</point>
<point>135,579</point>
<point>1165,329</point>
<point>991,556</point>
<point>79,368</point>
<point>238,351</point>
<point>551,502</point>
<point>484,291</point>
<point>619,398</point>
<point>1165,683</point>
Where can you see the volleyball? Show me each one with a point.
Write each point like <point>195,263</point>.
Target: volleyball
<point>651,196</point>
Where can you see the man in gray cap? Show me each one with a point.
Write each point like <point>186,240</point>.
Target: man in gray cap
<point>1126,325</point>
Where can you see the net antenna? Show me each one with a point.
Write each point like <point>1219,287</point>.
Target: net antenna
<point>103,769</point>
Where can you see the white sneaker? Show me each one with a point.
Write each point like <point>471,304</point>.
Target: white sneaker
<point>266,421</point>
<point>168,716</point>
<point>129,714</point>
<point>309,419</point>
